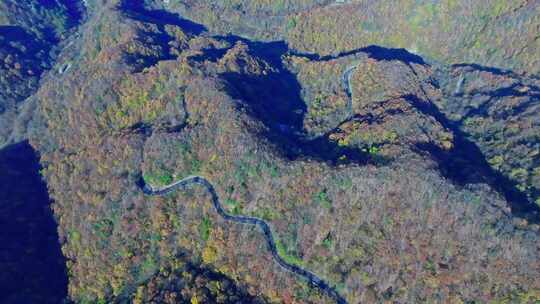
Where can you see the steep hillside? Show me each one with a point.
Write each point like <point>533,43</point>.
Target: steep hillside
<point>31,262</point>
<point>362,180</point>
<point>29,32</point>
<point>33,268</point>
<point>499,110</point>
<point>503,34</point>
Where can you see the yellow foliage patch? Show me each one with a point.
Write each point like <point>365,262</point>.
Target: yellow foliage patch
<point>209,254</point>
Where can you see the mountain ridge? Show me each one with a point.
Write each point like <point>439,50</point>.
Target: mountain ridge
<point>375,181</point>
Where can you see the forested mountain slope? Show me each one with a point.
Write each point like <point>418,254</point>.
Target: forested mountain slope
<point>392,176</point>
<point>29,32</point>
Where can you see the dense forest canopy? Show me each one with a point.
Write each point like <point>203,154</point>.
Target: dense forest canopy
<point>284,151</point>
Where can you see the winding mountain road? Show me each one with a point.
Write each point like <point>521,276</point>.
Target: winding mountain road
<point>199,180</point>
<point>254,221</point>
<point>346,80</point>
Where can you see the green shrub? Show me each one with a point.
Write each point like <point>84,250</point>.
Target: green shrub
<point>104,228</point>
<point>193,163</point>
<point>159,178</point>
<point>267,214</point>
<point>287,256</point>
<point>291,24</point>
<point>328,241</point>
<point>204,228</point>
<point>323,199</point>
<point>234,205</point>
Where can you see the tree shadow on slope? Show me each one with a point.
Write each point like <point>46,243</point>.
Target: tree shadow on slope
<point>529,107</point>
<point>11,32</point>
<point>492,70</point>
<point>466,164</point>
<point>274,98</point>
<point>191,277</point>
<point>492,95</point>
<point>21,50</point>
<point>372,51</point>
<point>161,39</point>
<point>75,9</point>
<point>33,267</point>
<point>137,10</point>
<point>511,91</point>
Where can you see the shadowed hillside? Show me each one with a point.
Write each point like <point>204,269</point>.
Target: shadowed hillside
<point>33,267</point>
<point>30,32</point>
